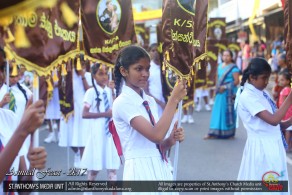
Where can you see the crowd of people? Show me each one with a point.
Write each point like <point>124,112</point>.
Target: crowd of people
<point>147,123</point>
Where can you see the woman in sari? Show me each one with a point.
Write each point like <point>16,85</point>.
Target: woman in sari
<point>223,117</point>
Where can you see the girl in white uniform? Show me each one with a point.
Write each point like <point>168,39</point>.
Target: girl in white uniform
<point>22,96</point>
<point>100,152</point>
<point>12,137</point>
<point>53,112</point>
<point>141,133</point>
<point>154,88</point>
<point>264,154</point>
<point>74,132</point>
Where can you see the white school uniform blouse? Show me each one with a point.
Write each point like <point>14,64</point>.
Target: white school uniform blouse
<point>89,99</point>
<point>127,106</point>
<point>20,100</point>
<point>264,150</point>
<point>8,126</point>
<point>251,102</point>
<point>100,151</point>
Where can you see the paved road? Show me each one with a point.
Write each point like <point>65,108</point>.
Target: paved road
<point>199,159</point>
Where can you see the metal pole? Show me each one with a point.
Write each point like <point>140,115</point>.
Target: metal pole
<point>176,151</point>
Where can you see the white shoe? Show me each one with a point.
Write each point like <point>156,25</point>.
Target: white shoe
<point>198,108</point>
<point>190,119</point>
<point>77,160</point>
<point>207,107</point>
<point>184,119</point>
<point>51,138</point>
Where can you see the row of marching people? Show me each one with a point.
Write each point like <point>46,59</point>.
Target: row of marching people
<point>144,134</point>
<point>19,118</point>
<point>87,131</point>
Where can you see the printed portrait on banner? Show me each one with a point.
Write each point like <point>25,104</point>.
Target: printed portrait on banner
<point>108,15</point>
<point>188,5</point>
<point>105,33</point>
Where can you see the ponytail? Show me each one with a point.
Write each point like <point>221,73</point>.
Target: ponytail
<point>94,70</point>
<point>118,77</point>
<point>22,90</point>
<point>245,76</point>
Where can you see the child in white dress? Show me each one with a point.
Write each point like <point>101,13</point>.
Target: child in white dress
<point>12,137</point>
<point>135,116</point>
<point>100,152</point>
<point>53,113</point>
<point>21,95</point>
<point>74,132</point>
<point>264,153</point>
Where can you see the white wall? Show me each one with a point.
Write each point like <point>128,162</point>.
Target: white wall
<point>241,8</point>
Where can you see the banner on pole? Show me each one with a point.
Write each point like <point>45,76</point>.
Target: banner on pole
<point>108,26</point>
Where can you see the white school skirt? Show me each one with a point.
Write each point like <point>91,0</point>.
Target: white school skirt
<point>100,151</point>
<point>146,164</point>
<point>53,107</point>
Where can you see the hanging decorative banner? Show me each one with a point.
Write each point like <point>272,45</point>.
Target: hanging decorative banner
<point>10,8</point>
<point>212,64</point>
<point>66,89</point>
<point>108,26</point>
<point>43,93</point>
<point>165,87</point>
<point>201,75</point>
<point>288,32</point>
<point>184,31</point>
<point>44,38</point>
<point>217,28</point>
<point>143,34</point>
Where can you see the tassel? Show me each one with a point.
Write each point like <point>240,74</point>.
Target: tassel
<point>55,77</point>
<point>64,71</point>
<point>167,56</point>
<point>21,40</point>
<point>9,55</point>
<point>78,66</point>
<point>193,72</point>
<point>50,86</point>
<point>163,67</point>
<point>14,69</point>
<point>35,81</point>
<point>199,66</point>
<point>189,83</point>
<point>10,37</point>
<point>69,16</point>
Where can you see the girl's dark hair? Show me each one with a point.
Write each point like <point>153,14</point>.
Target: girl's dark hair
<point>286,74</point>
<point>256,66</point>
<point>127,57</point>
<point>230,53</point>
<point>94,69</point>
<point>152,46</point>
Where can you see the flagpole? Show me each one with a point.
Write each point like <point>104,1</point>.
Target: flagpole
<point>7,75</point>
<point>176,151</point>
<point>36,133</point>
